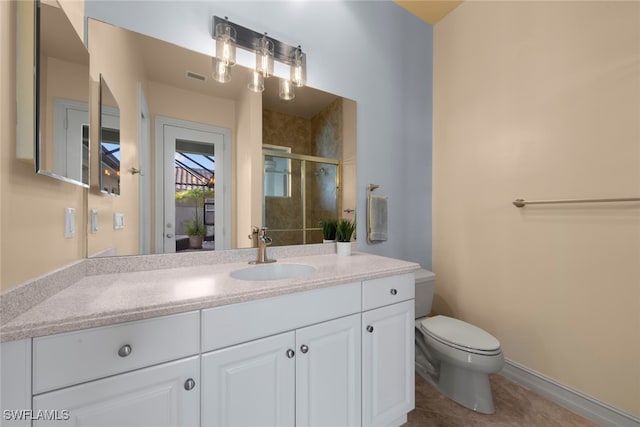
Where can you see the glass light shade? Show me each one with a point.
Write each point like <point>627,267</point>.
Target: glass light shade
<point>286,90</point>
<point>256,81</point>
<point>264,56</point>
<point>299,69</point>
<point>225,36</point>
<point>220,72</point>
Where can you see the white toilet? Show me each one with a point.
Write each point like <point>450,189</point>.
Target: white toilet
<point>454,356</point>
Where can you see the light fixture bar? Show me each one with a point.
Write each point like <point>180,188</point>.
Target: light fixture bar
<point>249,40</point>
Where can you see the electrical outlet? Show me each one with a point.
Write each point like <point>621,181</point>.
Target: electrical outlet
<point>118,221</point>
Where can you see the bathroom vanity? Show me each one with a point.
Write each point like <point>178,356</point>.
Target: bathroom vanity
<point>333,347</point>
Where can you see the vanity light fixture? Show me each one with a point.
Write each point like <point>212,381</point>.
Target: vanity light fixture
<point>264,56</point>
<point>221,72</point>
<point>229,35</point>
<point>256,81</point>
<point>225,36</point>
<point>286,92</point>
<point>299,68</point>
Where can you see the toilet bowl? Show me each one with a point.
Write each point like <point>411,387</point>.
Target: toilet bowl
<point>454,356</point>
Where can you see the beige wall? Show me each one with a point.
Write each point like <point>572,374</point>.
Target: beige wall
<point>120,65</point>
<point>247,171</point>
<point>541,100</point>
<point>32,206</point>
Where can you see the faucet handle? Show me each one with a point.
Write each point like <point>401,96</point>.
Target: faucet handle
<point>264,231</point>
<point>254,232</point>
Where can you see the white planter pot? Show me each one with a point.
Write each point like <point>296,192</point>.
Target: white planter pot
<point>344,248</point>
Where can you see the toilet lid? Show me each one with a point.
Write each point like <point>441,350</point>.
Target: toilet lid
<point>459,333</point>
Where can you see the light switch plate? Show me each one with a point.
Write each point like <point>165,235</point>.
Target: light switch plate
<point>94,221</point>
<point>118,221</point>
<point>69,223</point>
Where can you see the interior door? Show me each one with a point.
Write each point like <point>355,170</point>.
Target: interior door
<point>217,140</point>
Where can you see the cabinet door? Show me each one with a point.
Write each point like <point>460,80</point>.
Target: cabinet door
<point>328,370</point>
<point>151,397</point>
<point>251,384</point>
<point>387,363</point>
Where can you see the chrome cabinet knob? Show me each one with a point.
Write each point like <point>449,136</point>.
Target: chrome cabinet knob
<point>189,384</point>
<point>290,353</point>
<point>304,348</point>
<point>125,350</point>
<point>370,329</point>
<point>394,291</point>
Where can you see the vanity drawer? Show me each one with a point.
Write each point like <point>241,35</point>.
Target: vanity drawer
<point>237,323</point>
<point>70,358</point>
<point>387,290</point>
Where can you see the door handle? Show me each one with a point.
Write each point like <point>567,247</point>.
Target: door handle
<point>169,235</point>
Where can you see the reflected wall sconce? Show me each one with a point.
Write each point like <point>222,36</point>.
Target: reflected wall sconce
<point>229,36</point>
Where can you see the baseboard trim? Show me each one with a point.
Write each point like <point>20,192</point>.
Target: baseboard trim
<point>580,403</point>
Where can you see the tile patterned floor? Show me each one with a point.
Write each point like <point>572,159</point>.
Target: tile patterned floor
<point>515,406</point>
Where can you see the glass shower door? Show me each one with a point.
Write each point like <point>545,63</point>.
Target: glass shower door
<point>282,208</point>
<point>299,191</point>
<point>321,197</point>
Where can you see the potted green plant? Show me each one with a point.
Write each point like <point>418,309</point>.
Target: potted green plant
<point>329,226</point>
<point>344,233</point>
<point>195,229</point>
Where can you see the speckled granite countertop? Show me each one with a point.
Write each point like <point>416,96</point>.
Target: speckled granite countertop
<point>103,299</point>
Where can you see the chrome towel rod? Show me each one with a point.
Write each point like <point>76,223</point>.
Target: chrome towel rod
<point>520,203</point>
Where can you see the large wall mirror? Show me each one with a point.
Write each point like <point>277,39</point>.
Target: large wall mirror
<point>62,94</point>
<point>285,165</point>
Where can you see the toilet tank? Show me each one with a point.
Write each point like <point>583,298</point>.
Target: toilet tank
<point>425,287</point>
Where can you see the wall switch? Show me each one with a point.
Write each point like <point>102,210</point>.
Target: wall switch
<point>94,221</point>
<point>118,221</point>
<point>69,223</point>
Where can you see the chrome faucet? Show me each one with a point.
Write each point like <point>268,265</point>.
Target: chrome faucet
<point>263,240</point>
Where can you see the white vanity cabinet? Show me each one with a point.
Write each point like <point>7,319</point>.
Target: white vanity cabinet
<point>162,395</point>
<point>335,356</point>
<point>309,376</point>
<point>141,373</point>
<point>388,387</point>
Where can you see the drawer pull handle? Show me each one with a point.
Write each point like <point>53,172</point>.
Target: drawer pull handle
<point>125,350</point>
<point>189,384</point>
<point>290,353</point>
<point>394,291</point>
<point>304,348</point>
<point>370,329</point>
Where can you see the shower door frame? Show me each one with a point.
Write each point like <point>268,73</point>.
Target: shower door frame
<point>303,184</point>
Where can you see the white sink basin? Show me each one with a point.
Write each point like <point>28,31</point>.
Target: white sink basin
<point>273,271</point>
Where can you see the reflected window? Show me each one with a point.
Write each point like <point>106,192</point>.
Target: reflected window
<point>277,172</point>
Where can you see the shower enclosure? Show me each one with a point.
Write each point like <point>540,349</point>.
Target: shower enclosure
<point>299,190</point>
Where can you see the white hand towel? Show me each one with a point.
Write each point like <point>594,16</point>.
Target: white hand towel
<point>377,218</point>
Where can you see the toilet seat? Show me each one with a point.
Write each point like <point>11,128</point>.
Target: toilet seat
<point>460,335</point>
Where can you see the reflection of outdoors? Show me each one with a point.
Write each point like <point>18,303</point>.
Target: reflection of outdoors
<point>110,160</point>
<point>194,170</point>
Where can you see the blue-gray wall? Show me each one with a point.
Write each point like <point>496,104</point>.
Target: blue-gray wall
<point>374,52</point>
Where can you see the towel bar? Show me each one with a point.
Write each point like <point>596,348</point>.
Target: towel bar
<point>520,203</point>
